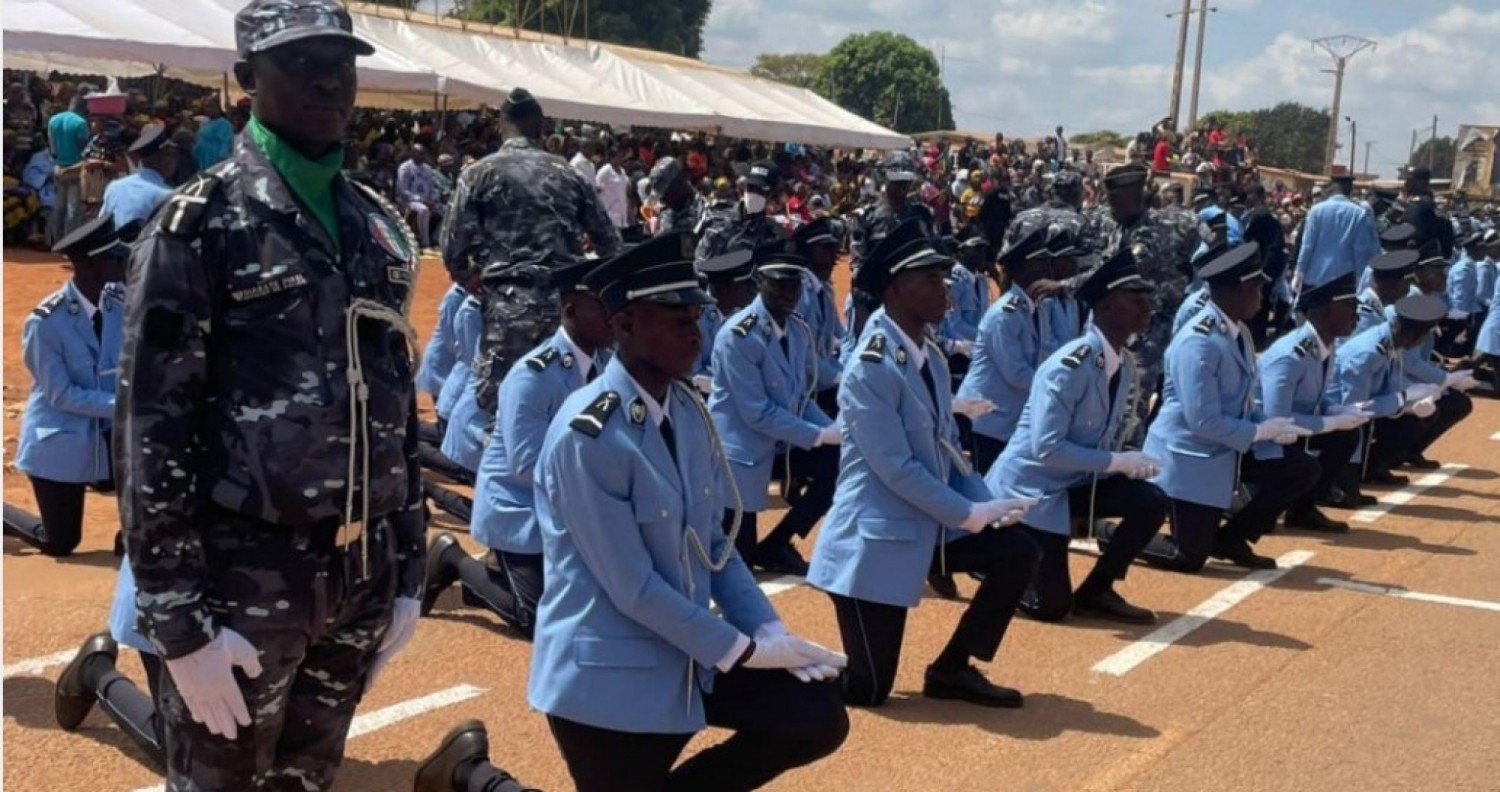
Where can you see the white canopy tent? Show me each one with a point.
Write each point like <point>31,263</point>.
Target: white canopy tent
<point>416,63</point>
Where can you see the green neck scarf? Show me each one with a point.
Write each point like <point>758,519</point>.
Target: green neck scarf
<point>311,180</point>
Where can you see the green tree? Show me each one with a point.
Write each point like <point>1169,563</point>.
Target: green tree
<point>1440,152</point>
<point>1289,135</point>
<point>888,78</point>
<point>1102,137</point>
<point>672,26</point>
<point>793,68</point>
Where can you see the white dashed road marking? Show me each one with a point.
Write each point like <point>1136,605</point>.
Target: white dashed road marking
<point>37,665</point>
<point>1401,593</point>
<point>1406,494</point>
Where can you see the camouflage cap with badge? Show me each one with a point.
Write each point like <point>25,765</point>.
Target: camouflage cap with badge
<point>266,24</point>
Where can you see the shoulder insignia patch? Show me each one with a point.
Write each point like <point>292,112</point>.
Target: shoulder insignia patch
<point>184,210</point>
<point>1077,356</point>
<point>744,327</point>
<point>49,305</point>
<point>591,421</point>
<point>540,362</point>
<point>874,348</point>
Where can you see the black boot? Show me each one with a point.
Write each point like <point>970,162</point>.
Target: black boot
<point>74,696</point>
<point>464,748</point>
<point>442,569</point>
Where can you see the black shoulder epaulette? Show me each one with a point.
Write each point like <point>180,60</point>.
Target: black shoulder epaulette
<point>1204,327</point>
<point>1077,356</point>
<point>50,304</point>
<point>874,348</point>
<point>746,325</point>
<point>1009,306</point>
<point>540,362</point>
<point>183,213</point>
<point>591,421</point>
<point>115,290</point>
<point>1306,349</point>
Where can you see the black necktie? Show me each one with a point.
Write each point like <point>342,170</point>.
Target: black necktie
<point>669,436</point>
<point>931,385</point>
<point>1114,387</point>
<point>786,346</point>
<point>593,373</point>
<point>99,324</point>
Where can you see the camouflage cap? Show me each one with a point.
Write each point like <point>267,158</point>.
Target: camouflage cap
<point>666,171</point>
<point>266,24</point>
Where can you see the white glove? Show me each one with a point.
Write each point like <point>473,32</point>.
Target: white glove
<point>1272,428</point>
<point>1420,391</point>
<point>789,651</point>
<point>404,614</point>
<point>807,673</point>
<point>1461,380</point>
<point>962,347</point>
<point>829,435</point>
<point>1343,422</point>
<point>704,385</point>
<point>205,679</point>
<point>1457,315</point>
<point>1133,464</point>
<point>971,407</point>
<point>1286,438</point>
<point>1424,408</point>
<point>1361,408</point>
<point>1002,511</point>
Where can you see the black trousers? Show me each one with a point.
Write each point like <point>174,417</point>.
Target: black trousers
<point>828,401</point>
<point>1142,507</point>
<point>1452,407</point>
<point>61,526</point>
<point>1196,530</point>
<point>134,711</point>
<point>510,586</point>
<point>434,460</point>
<point>779,724</point>
<point>1395,440</point>
<point>457,504</point>
<point>809,477</point>
<point>1335,449</point>
<point>984,450</point>
<point>431,432</point>
<point>872,631</point>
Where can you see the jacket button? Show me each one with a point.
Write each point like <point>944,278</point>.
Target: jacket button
<point>664,514</point>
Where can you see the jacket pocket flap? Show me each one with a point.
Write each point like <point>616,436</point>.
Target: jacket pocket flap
<point>597,652</point>
<point>889,530</point>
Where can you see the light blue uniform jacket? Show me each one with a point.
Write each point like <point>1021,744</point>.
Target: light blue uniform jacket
<point>530,396</point>
<point>710,319</point>
<point>72,401</point>
<point>1004,363</point>
<point>1207,418</point>
<point>1463,285</point>
<point>1293,384</point>
<point>763,399</point>
<point>1488,340</point>
<point>1067,433</point>
<point>1196,300</point>
<point>468,328</point>
<point>901,479</point>
<point>122,613</point>
<point>1338,238</point>
<point>1061,321</point>
<point>625,638</point>
<point>135,197</point>
<point>441,351</point>
<point>968,297</point>
<point>818,310</point>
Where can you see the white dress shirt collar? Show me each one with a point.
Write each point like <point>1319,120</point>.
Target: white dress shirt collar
<point>655,410</point>
<point>914,350</point>
<point>585,362</point>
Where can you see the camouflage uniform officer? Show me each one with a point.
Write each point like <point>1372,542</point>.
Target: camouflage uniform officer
<point>516,215</point>
<point>1159,254</point>
<point>266,430</point>
<point>681,206</point>
<point>897,205</point>
<point>1062,209</point>
<point>743,225</point>
<point>1181,223</point>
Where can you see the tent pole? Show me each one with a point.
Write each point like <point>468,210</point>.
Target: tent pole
<point>224,95</point>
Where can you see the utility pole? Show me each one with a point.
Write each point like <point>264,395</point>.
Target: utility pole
<point>1341,49</point>
<point>1203,10</point>
<point>1182,26</point>
<point>1353,142</point>
<point>1432,147</point>
<point>1368,144</point>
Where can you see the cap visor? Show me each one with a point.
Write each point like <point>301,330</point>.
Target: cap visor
<point>689,296</point>
<point>361,47</point>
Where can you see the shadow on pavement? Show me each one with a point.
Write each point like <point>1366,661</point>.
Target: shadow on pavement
<point>1427,511</point>
<point>15,548</point>
<point>1477,474</point>
<point>1045,716</point>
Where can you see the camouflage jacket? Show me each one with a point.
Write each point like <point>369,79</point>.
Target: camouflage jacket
<point>684,219</point>
<point>727,228</point>
<point>880,220</point>
<point>522,204</point>
<point>1054,213</point>
<point>234,389</point>
<point>1162,253</point>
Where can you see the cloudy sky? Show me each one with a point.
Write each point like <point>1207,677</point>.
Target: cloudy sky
<point>1024,66</point>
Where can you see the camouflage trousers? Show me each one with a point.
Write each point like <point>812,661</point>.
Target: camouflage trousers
<point>1150,353</point>
<point>516,320</point>
<point>316,623</point>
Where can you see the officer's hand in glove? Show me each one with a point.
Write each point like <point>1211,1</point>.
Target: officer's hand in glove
<point>1420,391</point>
<point>704,385</point>
<point>1133,464</point>
<point>971,407</point>
<point>1003,512</point>
<point>205,679</point>
<point>807,673</point>
<point>1461,380</point>
<point>404,614</point>
<point>962,347</point>
<point>830,436</point>
<point>789,652</point>
<point>1274,428</point>
<point>1424,408</point>
<point>1361,408</point>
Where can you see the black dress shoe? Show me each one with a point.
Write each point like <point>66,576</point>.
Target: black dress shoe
<point>968,685</point>
<point>1385,478</point>
<point>119,544</point>
<point>943,585</point>
<point>1420,462</point>
<point>1110,605</point>
<point>465,747</point>
<point>1343,499</point>
<point>781,558</point>
<point>1238,552</point>
<point>442,569</point>
<point>73,697</point>
<point>1311,519</point>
